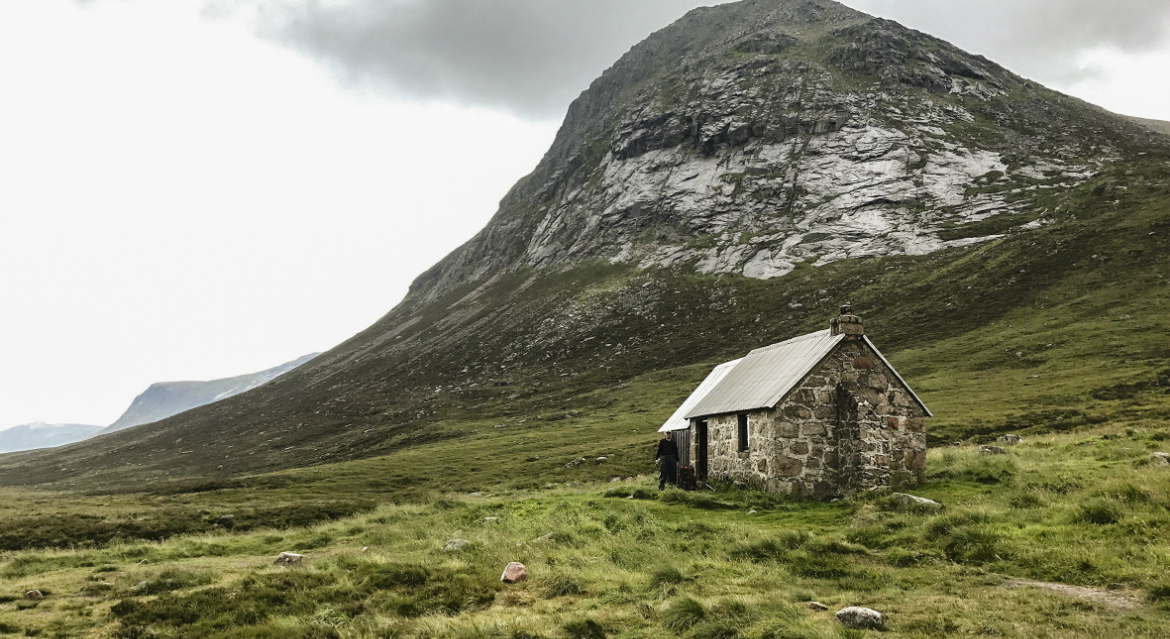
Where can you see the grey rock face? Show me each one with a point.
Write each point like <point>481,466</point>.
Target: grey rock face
<point>1160,459</point>
<point>913,502</point>
<point>34,595</point>
<point>711,146</point>
<point>991,450</point>
<point>1011,440</point>
<point>856,617</point>
<point>456,545</point>
<point>289,559</point>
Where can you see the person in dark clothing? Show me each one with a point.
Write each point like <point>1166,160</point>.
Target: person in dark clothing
<point>667,461</point>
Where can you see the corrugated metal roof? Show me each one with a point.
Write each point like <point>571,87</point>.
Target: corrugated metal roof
<point>678,420</point>
<point>766,375</point>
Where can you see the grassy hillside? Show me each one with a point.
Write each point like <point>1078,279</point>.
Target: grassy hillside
<point>1082,508</point>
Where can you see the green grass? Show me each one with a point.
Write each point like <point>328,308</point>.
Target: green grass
<point>1082,508</point>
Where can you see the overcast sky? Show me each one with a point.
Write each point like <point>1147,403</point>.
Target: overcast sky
<point>194,189</point>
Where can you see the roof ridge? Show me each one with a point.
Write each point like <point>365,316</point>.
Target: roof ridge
<point>793,340</point>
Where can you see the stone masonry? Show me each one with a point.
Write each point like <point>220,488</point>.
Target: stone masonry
<point>851,425</point>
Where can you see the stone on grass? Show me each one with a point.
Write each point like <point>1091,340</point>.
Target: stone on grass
<point>1011,440</point>
<point>602,460</point>
<point>575,462</point>
<point>491,518</point>
<point>288,559</point>
<point>34,595</point>
<point>1160,459</point>
<point>514,572</point>
<point>545,537</point>
<point>475,494</point>
<point>991,450</point>
<point>818,606</point>
<point>914,502</point>
<point>365,548</point>
<point>455,545</point>
<point>857,617</point>
<point>144,562</point>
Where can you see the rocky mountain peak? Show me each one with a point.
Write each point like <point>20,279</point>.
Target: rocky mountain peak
<point>756,136</point>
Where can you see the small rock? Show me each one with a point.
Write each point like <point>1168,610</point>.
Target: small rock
<point>1160,459</point>
<point>575,485</point>
<point>575,462</point>
<point>365,548</point>
<point>913,502</point>
<point>144,562</point>
<point>34,595</point>
<point>816,605</point>
<point>140,586</point>
<point>614,480</point>
<point>456,545</point>
<point>856,617</point>
<point>630,497</point>
<point>491,518</point>
<point>752,511</point>
<point>514,572</point>
<point>226,521</point>
<point>1011,440</point>
<point>543,538</point>
<point>602,460</point>
<point>475,494</point>
<point>550,486</point>
<point>288,559</point>
<point>991,450</point>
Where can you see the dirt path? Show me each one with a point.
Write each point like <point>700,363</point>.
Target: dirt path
<point>1123,599</point>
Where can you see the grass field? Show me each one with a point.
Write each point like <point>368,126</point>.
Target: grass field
<point>621,559</point>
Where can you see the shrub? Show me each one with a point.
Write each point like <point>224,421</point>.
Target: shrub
<point>795,538</point>
<point>1099,512</point>
<point>683,614</point>
<point>584,629</point>
<point>1160,592</point>
<point>560,586</point>
<point>715,630</point>
<point>666,576</point>
<point>976,543</point>
<point>759,552</point>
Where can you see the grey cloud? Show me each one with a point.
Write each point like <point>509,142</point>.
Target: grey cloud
<point>533,57</point>
<point>528,56</point>
<point>1041,39</point>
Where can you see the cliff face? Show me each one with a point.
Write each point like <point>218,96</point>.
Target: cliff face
<point>749,138</point>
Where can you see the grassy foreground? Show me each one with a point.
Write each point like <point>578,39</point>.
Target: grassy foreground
<point>619,559</point>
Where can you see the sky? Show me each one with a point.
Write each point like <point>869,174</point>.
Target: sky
<point>204,188</point>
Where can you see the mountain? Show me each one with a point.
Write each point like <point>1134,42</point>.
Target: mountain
<point>726,184</point>
<point>42,435</point>
<point>165,399</point>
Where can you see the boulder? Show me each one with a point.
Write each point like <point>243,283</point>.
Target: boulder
<point>991,450</point>
<point>456,545</point>
<point>914,502</point>
<point>857,617</point>
<point>1011,440</point>
<point>288,559</point>
<point>34,595</point>
<point>514,572</point>
<point>818,606</point>
<point>1160,459</point>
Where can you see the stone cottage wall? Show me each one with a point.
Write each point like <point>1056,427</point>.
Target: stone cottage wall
<point>849,426</point>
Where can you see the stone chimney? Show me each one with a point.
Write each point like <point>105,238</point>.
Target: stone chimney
<point>846,323</point>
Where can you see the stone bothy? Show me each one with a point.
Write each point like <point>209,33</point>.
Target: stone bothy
<point>820,415</point>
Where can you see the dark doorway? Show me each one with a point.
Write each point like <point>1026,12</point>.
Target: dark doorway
<point>701,448</point>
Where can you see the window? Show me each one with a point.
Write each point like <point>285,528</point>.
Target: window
<point>743,432</point>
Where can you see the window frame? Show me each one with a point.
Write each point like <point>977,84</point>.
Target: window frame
<point>743,434</point>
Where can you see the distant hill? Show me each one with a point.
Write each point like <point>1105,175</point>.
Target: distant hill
<point>165,399</point>
<point>42,435</point>
<point>1161,126</point>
